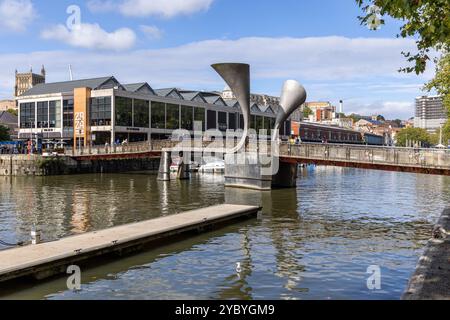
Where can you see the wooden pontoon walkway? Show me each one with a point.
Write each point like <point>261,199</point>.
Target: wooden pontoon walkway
<point>51,258</point>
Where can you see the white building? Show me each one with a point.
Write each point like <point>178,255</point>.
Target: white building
<point>430,113</point>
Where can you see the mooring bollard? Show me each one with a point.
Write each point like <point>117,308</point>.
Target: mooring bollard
<point>35,236</point>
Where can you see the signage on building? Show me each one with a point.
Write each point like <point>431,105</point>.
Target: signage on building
<point>79,123</point>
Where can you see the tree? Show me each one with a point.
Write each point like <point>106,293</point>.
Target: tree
<point>441,81</point>
<point>13,112</point>
<point>4,133</point>
<point>398,122</point>
<point>413,134</point>
<point>307,112</point>
<point>427,20</point>
<point>355,117</point>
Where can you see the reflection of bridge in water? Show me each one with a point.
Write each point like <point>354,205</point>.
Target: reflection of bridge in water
<point>428,161</point>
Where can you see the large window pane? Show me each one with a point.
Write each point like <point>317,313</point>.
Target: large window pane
<point>124,109</point>
<point>259,123</point>
<point>42,114</point>
<point>232,121</point>
<point>173,116</point>
<point>100,111</point>
<point>187,118</point>
<point>27,115</point>
<point>269,123</point>
<point>141,113</point>
<point>158,115</point>
<point>212,119</point>
<point>68,113</point>
<point>222,120</point>
<point>199,116</point>
<point>252,121</point>
<point>55,114</point>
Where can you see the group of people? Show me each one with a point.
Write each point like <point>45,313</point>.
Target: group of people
<point>118,143</point>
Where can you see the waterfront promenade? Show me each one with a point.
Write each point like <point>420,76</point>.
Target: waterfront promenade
<point>431,280</point>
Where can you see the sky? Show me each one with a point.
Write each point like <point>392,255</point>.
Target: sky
<point>172,43</point>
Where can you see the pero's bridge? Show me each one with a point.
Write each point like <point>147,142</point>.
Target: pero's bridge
<point>428,161</point>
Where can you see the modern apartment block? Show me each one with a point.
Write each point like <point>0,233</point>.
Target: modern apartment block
<point>430,113</point>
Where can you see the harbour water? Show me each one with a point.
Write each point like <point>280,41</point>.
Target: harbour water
<point>313,242</point>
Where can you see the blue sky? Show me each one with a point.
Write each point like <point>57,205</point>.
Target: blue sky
<point>173,42</point>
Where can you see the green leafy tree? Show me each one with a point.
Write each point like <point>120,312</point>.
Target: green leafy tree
<point>307,112</point>
<point>413,134</point>
<point>426,20</point>
<point>355,117</point>
<point>13,112</point>
<point>4,133</point>
<point>398,122</point>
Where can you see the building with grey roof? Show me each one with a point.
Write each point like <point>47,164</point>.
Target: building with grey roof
<point>9,120</point>
<point>102,110</point>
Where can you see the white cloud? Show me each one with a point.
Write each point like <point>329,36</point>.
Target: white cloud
<point>144,8</point>
<point>390,109</point>
<point>364,69</point>
<point>16,15</point>
<point>151,32</point>
<point>92,36</point>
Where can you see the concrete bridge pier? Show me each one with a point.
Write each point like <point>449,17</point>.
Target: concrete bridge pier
<point>164,166</point>
<point>286,176</point>
<point>183,169</point>
<point>246,171</point>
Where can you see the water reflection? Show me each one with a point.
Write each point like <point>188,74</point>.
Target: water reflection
<point>315,241</point>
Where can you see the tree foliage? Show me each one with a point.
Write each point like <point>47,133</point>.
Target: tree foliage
<point>415,135</point>
<point>426,20</point>
<point>307,112</point>
<point>4,133</point>
<point>13,112</point>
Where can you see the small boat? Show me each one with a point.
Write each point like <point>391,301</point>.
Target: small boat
<point>174,168</point>
<point>213,166</point>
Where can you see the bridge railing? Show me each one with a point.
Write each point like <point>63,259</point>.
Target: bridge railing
<point>333,152</point>
<point>435,158</point>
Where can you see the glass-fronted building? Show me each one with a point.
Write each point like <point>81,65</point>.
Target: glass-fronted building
<point>102,110</point>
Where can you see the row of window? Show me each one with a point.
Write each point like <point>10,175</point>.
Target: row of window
<point>173,116</point>
<point>136,114</point>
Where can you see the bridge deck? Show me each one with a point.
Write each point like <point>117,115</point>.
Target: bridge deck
<point>46,259</point>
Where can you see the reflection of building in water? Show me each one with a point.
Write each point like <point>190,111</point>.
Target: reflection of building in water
<point>240,288</point>
<point>285,240</point>
<point>80,212</point>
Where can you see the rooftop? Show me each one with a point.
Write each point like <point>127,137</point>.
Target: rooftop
<point>69,86</point>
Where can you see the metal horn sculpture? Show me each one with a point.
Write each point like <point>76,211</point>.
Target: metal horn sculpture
<point>237,76</point>
<point>293,95</point>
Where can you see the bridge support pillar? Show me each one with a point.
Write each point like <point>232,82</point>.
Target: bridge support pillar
<point>164,166</point>
<point>286,176</point>
<point>183,172</point>
<point>246,171</point>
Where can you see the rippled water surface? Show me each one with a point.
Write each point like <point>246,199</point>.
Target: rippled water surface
<point>313,242</point>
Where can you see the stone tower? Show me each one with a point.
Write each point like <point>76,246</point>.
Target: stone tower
<point>27,80</point>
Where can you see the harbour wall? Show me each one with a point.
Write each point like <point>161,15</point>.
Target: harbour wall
<point>431,279</point>
<point>33,165</point>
